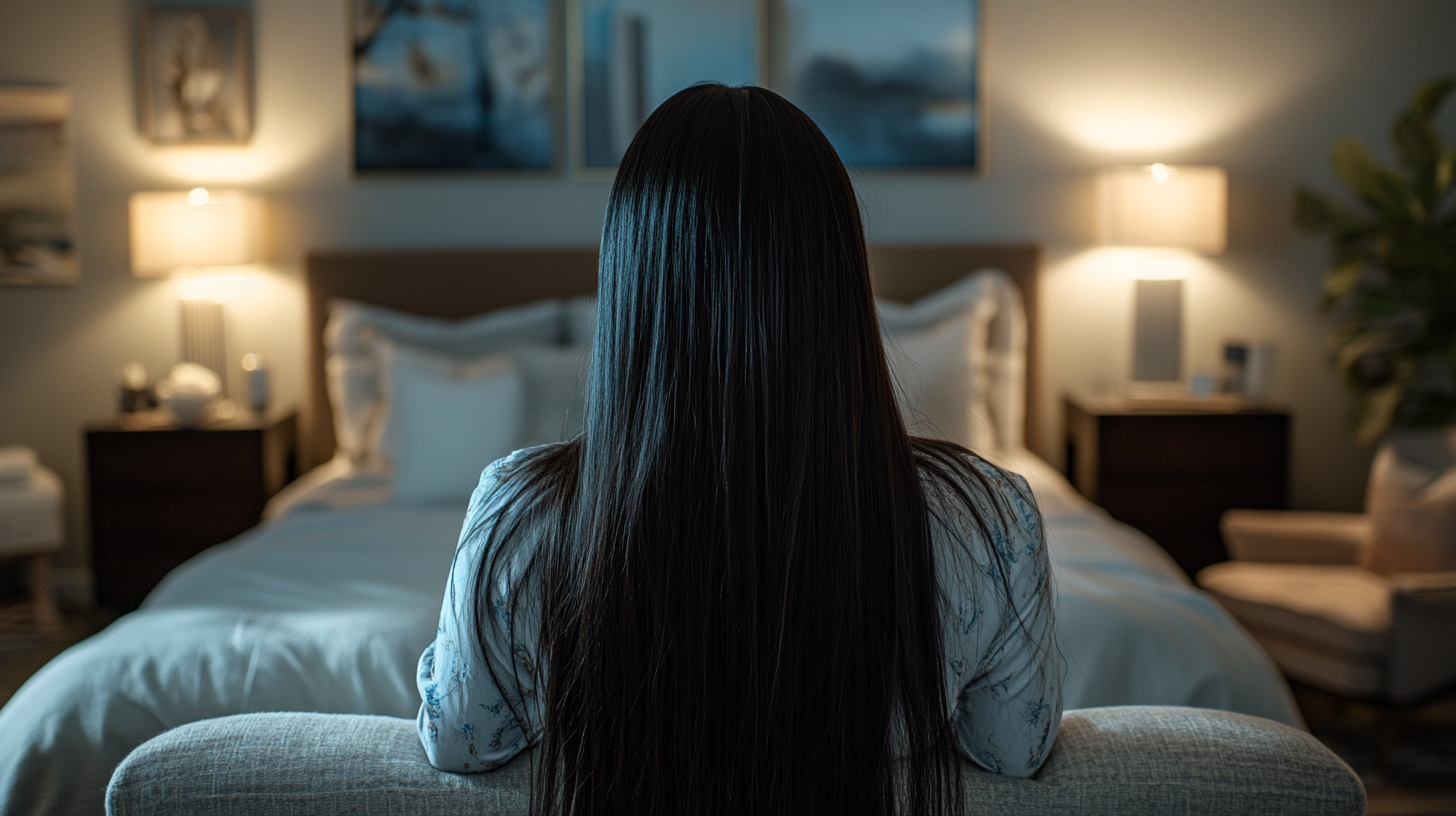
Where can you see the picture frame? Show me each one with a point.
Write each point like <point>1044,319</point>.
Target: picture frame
<point>38,188</point>
<point>631,55</point>
<point>894,86</point>
<point>464,85</point>
<point>196,75</point>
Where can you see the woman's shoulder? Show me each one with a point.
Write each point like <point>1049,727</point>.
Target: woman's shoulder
<point>1013,483</point>
<point>493,533</point>
<point>499,495</point>
<point>507,465</point>
<point>978,501</point>
<point>498,476</point>
<point>976,479</point>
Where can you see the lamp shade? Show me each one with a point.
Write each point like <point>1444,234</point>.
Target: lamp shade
<point>193,230</point>
<point>1163,206</point>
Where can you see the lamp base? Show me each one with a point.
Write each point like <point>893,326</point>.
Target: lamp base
<point>202,337</point>
<point>1157,390</point>
<point>1157,353</point>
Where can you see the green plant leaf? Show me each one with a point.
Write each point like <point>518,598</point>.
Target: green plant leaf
<point>1340,281</point>
<point>1429,96</point>
<point>1374,411</point>
<point>1354,350</point>
<point>1445,168</point>
<point>1355,166</point>
<point>1382,190</point>
<point>1418,146</point>
<point>1316,212</point>
<point>1417,142</point>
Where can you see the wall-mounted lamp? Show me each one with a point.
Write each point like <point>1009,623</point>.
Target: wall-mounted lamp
<point>1169,208</point>
<point>199,234</point>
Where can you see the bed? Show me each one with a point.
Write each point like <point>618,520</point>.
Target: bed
<point>327,606</point>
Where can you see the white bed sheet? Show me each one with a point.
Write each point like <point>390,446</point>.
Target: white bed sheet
<point>328,610</point>
<point>1132,628</point>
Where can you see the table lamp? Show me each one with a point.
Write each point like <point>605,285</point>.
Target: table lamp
<point>1167,208</point>
<point>200,234</point>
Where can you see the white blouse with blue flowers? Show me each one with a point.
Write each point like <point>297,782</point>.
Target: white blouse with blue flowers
<point>1002,671</point>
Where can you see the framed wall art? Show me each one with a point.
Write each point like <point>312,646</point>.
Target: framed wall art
<point>454,85</point>
<point>470,84</point>
<point>37,188</point>
<point>893,84</point>
<point>637,53</point>
<point>196,76</point>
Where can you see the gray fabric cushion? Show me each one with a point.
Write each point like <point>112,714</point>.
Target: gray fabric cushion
<point>1130,759</point>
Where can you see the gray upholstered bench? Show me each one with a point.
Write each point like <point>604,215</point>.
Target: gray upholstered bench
<point>1123,760</point>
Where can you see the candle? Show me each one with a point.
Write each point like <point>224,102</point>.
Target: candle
<point>256,376</point>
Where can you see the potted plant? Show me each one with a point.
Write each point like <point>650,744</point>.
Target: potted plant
<point>1391,290</point>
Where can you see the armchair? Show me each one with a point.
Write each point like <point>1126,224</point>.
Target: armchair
<point>1295,584</point>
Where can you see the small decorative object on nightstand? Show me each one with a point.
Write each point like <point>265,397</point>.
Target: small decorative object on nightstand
<point>161,494</point>
<point>1171,468</point>
<point>255,377</point>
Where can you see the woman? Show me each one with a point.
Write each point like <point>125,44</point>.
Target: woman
<point>744,588</point>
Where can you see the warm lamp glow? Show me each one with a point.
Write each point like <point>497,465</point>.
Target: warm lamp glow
<point>1163,206</point>
<point>193,230</point>
<point>213,287</point>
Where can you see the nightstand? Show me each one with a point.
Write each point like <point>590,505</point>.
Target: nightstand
<point>161,494</point>
<point>1171,470</point>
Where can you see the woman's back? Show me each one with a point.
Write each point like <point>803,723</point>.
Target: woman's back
<point>732,575</point>
<point>1004,689</point>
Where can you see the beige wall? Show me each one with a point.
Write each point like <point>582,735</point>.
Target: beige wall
<point>1259,88</point>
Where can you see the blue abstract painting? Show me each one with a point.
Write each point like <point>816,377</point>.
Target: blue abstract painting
<point>453,84</point>
<point>893,83</point>
<point>637,53</point>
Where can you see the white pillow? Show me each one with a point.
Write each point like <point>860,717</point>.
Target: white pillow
<point>353,386</point>
<point>554,379</point>
<point>958,359</point>
<point>446,419</point>
<point>352,364</point>
<point>938,385</point>
<point>352,326</point>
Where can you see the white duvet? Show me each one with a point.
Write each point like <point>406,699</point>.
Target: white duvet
<point>329,611</point>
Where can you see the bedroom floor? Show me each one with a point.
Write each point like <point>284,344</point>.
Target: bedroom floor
<point>1419,776</point>
<point>22,652</point>
<point>1418,780</point>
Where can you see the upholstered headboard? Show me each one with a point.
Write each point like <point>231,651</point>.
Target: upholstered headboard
<point>459,283</point>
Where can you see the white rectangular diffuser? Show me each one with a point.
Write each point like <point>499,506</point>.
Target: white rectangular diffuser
<point>1163,206</point>
<point>193,230</point>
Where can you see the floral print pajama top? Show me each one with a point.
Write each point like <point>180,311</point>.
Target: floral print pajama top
<point>1002,670</point>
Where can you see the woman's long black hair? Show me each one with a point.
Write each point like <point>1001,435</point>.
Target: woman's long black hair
<point>739,608</point>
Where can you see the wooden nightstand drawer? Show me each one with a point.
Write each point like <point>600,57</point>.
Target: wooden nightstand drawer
<point>138,520</point>
<point>160,495</point>
<point>200,461</point>
<point>1196,446</point>
<point>1172,474</point>
<point>1204,499</point>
